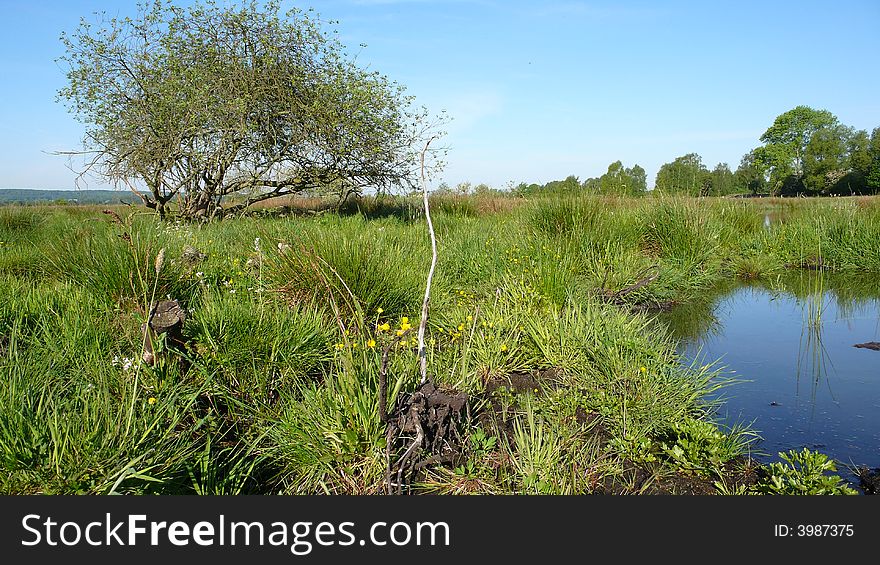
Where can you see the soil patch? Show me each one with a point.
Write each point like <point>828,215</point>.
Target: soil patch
<point>638,478</point>
<point>869,480</point>
<point>429,424</point>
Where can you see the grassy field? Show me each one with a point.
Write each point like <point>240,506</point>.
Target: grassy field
<point>537,314</point>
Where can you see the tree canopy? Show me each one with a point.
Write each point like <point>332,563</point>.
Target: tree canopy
<point>203,102</point>
<point>623,181</point>
<point>810,151</point>
<point>617,181</point>
<point>684,175</point>
<point>750,174</point>
<point>785,142</point>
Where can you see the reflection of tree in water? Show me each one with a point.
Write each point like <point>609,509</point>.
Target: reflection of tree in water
<point>814,360</point>
<point>813,292</point>
<point>852,295</point>
<point>698,319</point>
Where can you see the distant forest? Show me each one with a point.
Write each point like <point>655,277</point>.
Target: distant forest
<point>34,196</point>
<point>805,152</point>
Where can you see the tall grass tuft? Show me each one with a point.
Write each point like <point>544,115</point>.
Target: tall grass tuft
<point>329,437</point>
<point>77,432</point>
<point>256,353</point>
<point>378,271</point>
<point>116,264</point>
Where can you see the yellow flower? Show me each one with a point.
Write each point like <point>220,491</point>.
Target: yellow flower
<point>470,318</point>
<point>383,328</point>
<point>379,310</point>
<point>404,320</point>
<point>340,346</point>
<point>405,326</point>
<point>643,369</point>
<point>371,343</point>
<point>503,347</point>
<point>403,343</point>
<point>399,333</point>
<point>151,400</point>
<point>461,327</point>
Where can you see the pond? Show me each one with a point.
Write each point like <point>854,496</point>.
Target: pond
<point>790,345</point>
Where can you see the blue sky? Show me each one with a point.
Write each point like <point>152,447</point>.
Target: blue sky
<point>537,90</point>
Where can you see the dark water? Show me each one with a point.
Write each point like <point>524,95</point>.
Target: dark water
<point>792,343</point>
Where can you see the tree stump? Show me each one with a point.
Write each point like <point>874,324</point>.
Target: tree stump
<point>192,256</point>
<point>167,317</point>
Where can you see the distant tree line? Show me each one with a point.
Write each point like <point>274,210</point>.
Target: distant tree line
<point>65,197</point>
<point>618,180</point>
<point>805,151</point>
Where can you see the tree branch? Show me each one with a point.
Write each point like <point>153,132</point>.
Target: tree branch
<point>423,354</point>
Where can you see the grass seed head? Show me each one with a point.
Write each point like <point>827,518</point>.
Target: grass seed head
<point>160,260</point>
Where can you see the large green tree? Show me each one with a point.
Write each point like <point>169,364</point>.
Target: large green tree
<point>684,175</point>
<point>622,181</point>
<point>751,174</point>
<point>785,146</point>
<point>827,159</point>
<point>872,163</point>
<point>721,180</point>
<point>206,101</point>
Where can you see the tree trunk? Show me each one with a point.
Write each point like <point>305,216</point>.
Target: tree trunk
<point>200,206</point>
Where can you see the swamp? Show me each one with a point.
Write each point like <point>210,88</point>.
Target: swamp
<point>576,345</point>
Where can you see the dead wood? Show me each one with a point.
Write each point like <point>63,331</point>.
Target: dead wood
<point>429,423</point>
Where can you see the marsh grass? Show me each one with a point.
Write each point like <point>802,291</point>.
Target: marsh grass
<point>286,333</point>
<point>73,430</point>
<point>17,223</point>
<point>255,352</point>
<point>376,267</point>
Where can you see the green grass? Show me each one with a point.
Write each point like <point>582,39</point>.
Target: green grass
<point>286,330</point>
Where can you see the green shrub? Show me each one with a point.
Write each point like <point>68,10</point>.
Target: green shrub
<point>803,472</point>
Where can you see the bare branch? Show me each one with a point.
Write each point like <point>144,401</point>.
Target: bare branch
<point>423,355</point>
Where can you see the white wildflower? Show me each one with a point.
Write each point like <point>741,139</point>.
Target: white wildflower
<point>126,363</point>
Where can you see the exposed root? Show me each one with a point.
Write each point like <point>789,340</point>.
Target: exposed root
<point>433,419</point>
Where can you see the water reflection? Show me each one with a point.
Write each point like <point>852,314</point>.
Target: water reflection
<point>790,342</point>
